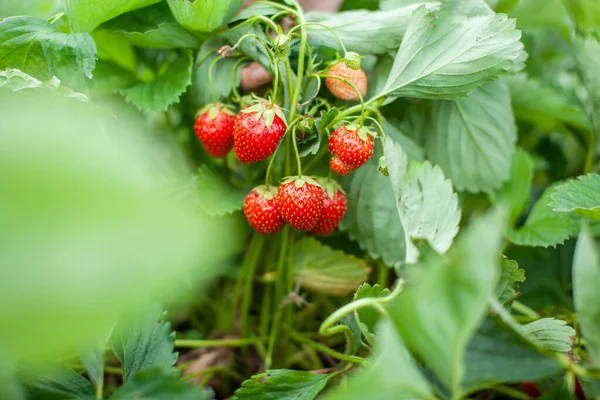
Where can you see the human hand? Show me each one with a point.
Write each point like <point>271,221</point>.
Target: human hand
<point>255,75</point>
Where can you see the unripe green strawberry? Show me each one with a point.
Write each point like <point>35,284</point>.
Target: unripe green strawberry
<point>214,129</point>
<point>260,210</point>
<point>335,205</point>
<point>257,131</point>
<point>350,147</point>
<point>352,60</point>
<point>300,202</point>
<point>341,89</point>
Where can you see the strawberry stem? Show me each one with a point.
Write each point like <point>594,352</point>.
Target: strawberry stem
<point>296,152</point>
<point>320,26</point>
<point>268,174</point>
<point>210,78</point>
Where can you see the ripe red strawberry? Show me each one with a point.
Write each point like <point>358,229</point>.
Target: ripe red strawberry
<point>335,205</point>
<point>350,147</point>
<point>260,210</point>
<point>214,129</point>
<point>300,202</point>
<point>257,131</point>
<point>341,89</point>
<point>339,167</point>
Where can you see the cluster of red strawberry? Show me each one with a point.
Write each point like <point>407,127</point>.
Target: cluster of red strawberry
<point>303,202</point>
<point>255,133</point>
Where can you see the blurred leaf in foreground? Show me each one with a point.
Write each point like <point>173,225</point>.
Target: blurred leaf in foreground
<point>91,226</point>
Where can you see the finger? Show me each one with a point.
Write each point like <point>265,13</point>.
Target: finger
<point>254,76</point>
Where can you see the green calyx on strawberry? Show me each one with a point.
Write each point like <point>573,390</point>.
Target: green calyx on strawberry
<point>300,202</point>
<point>257,132</point>
<point>214,109</point>
<point>352,60</point>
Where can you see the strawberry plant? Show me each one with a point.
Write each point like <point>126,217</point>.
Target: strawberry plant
<point>296,199</point>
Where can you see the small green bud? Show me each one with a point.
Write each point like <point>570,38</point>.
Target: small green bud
<point>383,166</point>
<point>281,45</point>
<point>352,60</point>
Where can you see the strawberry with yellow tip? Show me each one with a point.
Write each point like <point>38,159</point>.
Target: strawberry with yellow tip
<point>261,212</point>
<point>343,90</point>
<point>335,204</point>
<point>299,201</point>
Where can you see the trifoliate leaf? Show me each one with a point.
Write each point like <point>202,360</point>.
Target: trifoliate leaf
<point>364,32</point>
<point>321,269</point>
<point>581,196</point>
<point>215,195</point>
<point>37,48</point>
<point>445,300</point>
<point>545,227</point>
<point>372,217</point>
<point>160,93</point>
<point>393,373</point>
<point>586,275</point>
<point>145,343</point>
<point>155,385</point>
<point>550,334</point>
<point>282,384</point>
<point>427,204</point>
<point>86,15</point>
<point>444,56</point>
<point>473,138</point>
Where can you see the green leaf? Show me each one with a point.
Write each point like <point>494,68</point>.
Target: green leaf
<point>255,9</point>
<point>160,93</point>
<point>427,204</point>
<point>367,317</point>
<point>496,355</point>
<point>587,54</point>
<point>39,49</point>
<point>153,27</point>
<point>93,361</point>
<point>15,80</point>
<point>361,31</point>
<point>112,48</point>
<point>372,217</point>
<point>517,189</point>
<point>446,299</point>
<point>321,269</point>
<point>413,150</point>
<point>473,138</point>
<point>444,57</point>
<point>586,275</point>
<point>550,334</point>
<point>86,15</point>
<point>543,106</point>
<point>223,74</point>
<point>581,196</point>
<point>510,277</point>
<point>393,374</point>
<point>215,195</point>
<point>203,16</point>
<point>282,384</point>
<point>64,384</point>
<point>154,385</point>
<point>544,227</point>
<point>145,343</point>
